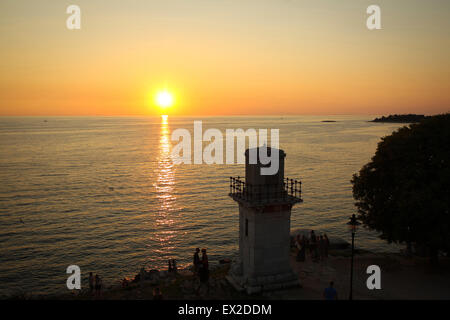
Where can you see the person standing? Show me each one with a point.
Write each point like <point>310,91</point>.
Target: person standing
<point>204,270</point>
<point>142,276</point>
<point>205,264</point>
<point>330,293</point>
<point>174,266</point>
<point>98,286</point>
<point>322,247</point>
<point>305,246</point>
<point>301,246</point>
<point>157,294</point>
<point>326,245</point>
<point>196,261</point>
<point>91,283</point>
<point>297,241</point>
<point>313,245</point>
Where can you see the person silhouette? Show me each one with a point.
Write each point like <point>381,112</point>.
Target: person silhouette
<point>196,261</point>
<point>204,271</point>
<point>98,286</point>
<point>330,293</point>
<point>157,295</point>
<point>91,283</point>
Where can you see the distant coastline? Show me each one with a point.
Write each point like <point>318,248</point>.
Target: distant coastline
<point>401,118</point>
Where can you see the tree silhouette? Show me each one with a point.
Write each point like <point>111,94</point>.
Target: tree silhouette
<point>404,193</point>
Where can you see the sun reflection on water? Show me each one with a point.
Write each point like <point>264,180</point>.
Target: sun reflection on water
<point>165,184</point>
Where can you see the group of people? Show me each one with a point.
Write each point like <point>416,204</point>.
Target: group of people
<point>95,285</point>
<point>201,266</point>
<point>316,245</point>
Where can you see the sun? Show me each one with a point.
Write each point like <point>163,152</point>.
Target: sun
<point>164,99</point>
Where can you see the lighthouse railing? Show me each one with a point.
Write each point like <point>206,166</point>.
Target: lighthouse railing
<point>287,190</point>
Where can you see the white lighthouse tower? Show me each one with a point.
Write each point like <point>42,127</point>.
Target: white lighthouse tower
<point>265,203</point>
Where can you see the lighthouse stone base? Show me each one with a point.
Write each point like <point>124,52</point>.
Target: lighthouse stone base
<point>259,284</point>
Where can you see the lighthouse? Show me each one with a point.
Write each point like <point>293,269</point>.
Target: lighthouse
<point>265,204</point>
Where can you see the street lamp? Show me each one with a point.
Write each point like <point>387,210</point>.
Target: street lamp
<point>353,225</point>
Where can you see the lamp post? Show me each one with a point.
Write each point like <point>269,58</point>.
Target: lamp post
<point>353,225</point>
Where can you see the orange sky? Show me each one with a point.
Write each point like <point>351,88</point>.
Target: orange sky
<point>224,57</point>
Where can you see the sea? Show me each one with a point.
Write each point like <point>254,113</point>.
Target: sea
<point>103,193</point>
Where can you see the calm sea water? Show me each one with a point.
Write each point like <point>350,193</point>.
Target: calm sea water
<point>103,193</point>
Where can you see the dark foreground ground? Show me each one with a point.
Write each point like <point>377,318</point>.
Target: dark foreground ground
<point>401,278</point>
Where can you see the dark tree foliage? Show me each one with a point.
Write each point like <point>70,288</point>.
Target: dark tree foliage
<point>404,192</point>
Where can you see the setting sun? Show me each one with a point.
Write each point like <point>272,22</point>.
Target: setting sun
<point>164,99</point>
